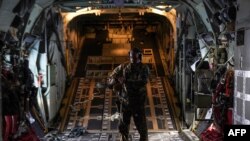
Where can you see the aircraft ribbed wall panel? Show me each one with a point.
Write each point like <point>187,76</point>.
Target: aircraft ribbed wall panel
<point>242,64</point>
<point>242,97</point>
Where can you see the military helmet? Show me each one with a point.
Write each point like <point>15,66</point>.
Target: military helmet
<point>135,55</point>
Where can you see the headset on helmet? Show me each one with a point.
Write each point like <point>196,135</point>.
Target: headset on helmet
<point>137,51</point>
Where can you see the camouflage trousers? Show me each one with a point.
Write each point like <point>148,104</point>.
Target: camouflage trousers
<point>139,117</point>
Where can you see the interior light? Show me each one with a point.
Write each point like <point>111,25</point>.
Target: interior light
<point>78,7</point>
<point>163,6</point>
<point>98,13</point>
<point>141,12</point>
<point>83,10</point>
<point>88,10</point>
<point>158,11</point>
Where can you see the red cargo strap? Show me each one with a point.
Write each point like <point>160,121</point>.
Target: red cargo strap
<point>10,126</point>
<point>212,133</point>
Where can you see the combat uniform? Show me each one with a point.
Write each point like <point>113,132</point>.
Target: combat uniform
<point>135,78</point>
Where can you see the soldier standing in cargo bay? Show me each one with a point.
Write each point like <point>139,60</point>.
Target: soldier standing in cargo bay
<point>129,81</point>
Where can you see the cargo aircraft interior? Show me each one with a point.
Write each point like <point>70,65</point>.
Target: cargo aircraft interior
<point>56,55</point>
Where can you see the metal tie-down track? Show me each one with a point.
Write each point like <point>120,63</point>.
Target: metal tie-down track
<point>94,111</point>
